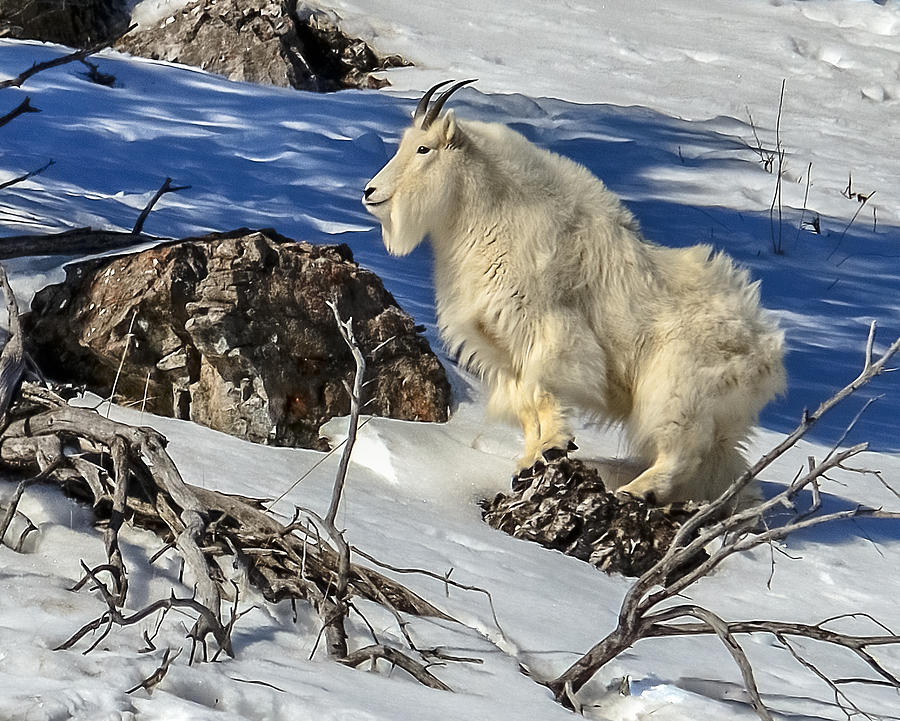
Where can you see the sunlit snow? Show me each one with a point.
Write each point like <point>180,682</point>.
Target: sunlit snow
<point>656,99</point>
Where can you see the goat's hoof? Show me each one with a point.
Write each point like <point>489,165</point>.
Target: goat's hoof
<point>625,496</point>
<point>553,454</point>
<point>571,446</point>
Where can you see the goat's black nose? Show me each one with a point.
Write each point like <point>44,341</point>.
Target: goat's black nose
<point>368,191</point>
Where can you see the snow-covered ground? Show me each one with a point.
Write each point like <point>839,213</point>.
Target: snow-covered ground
<point>653,97</point>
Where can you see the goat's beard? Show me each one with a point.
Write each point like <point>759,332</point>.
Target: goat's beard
<point>401,231</point>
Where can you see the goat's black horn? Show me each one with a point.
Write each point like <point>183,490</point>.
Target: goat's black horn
<point>422,107</point>
<point>435,109</point>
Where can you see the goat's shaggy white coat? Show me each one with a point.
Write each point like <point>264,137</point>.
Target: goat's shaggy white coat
<point>545,285</point>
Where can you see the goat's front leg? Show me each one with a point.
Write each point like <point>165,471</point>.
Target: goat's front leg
<point>544,426</point>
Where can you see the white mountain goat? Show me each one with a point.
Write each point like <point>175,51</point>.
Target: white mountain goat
<point>545,285</point>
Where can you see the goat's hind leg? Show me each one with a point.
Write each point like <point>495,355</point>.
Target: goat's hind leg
<point>663,482</point>
<point>676,439</point>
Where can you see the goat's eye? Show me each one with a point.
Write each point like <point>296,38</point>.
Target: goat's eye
<point>423,149</point>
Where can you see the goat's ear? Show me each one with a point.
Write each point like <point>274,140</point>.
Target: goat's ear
<point>449,130</point>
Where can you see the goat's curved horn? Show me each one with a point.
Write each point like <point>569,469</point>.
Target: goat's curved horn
<point>435,109</point>
<point>422,107</point>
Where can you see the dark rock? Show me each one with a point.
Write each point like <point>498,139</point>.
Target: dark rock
<point>233,331</point>
<point>262,41</point>
<point>564,505</point>
<point>77,24</point>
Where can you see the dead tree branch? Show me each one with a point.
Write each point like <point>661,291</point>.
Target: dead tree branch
<point>17,81</point>
<point>395,657</point>
<point>282,561</point>
<point>346,329</point>
<point>166,187</point>
<point>24,107</point>
<point>12,358</point>
<point>26,176</point>
<point>154,679</point>
<point>643,615</point>
<point>112,616</point>
<point>77,241</point>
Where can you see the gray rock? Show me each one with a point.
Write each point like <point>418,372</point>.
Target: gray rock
<point>233,331</point>
<point>77,24</point>
<point>262,41</point>
<point>563,504</point>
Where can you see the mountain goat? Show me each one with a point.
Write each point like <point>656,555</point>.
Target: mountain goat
<point>546,287</point>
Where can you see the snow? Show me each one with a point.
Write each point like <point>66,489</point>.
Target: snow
<point>653,97</point>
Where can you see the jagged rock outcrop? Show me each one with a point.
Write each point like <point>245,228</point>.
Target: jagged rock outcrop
<point>262,41</point>
<point>77,24</point>
<point>233,331</point>
<point>564,505</point>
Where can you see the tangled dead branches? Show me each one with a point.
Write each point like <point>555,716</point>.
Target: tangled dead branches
<point>127,475</point>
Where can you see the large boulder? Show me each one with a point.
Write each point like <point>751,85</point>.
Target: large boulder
<point>77,24</point>
<point>262,41</point>
<point>233,331</point>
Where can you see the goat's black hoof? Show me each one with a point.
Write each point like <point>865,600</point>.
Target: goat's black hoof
<point>571,447</point>
<point>553,454</point>
<point>625,497</point>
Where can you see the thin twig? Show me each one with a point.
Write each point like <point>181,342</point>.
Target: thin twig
<point>27,175</point>
<point>62,60</point>
<point>805,201</point>
<point>397,658</point>
<point>128,336</point>
<point>346,329</point>
<point>776,199</point>
<point>840,240</point>
<point>155,678</point>
<point>24,107</point>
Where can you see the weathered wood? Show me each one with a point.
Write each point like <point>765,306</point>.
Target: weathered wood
<point>62,60</point>
<point>184,510</point>
<point>24,107</point>
<point>12,359</point>
<point>70,242</point>
<point>166,187</point>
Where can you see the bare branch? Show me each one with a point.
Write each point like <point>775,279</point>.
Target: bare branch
<point>720,628</point>
<point>166,187</point>
<point>117,516</point>
<point>445,579</point>
<point>62,60</point>
<point>346,329</point>
<point>24,107</point>
<point>414,668</point>
<point>779,175</point>
<point>112,616</point>
<point>26,176</point>
<point>714,524</point>
<point>154,679</point>
<point>79,240</point>
<point>12,359</point>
